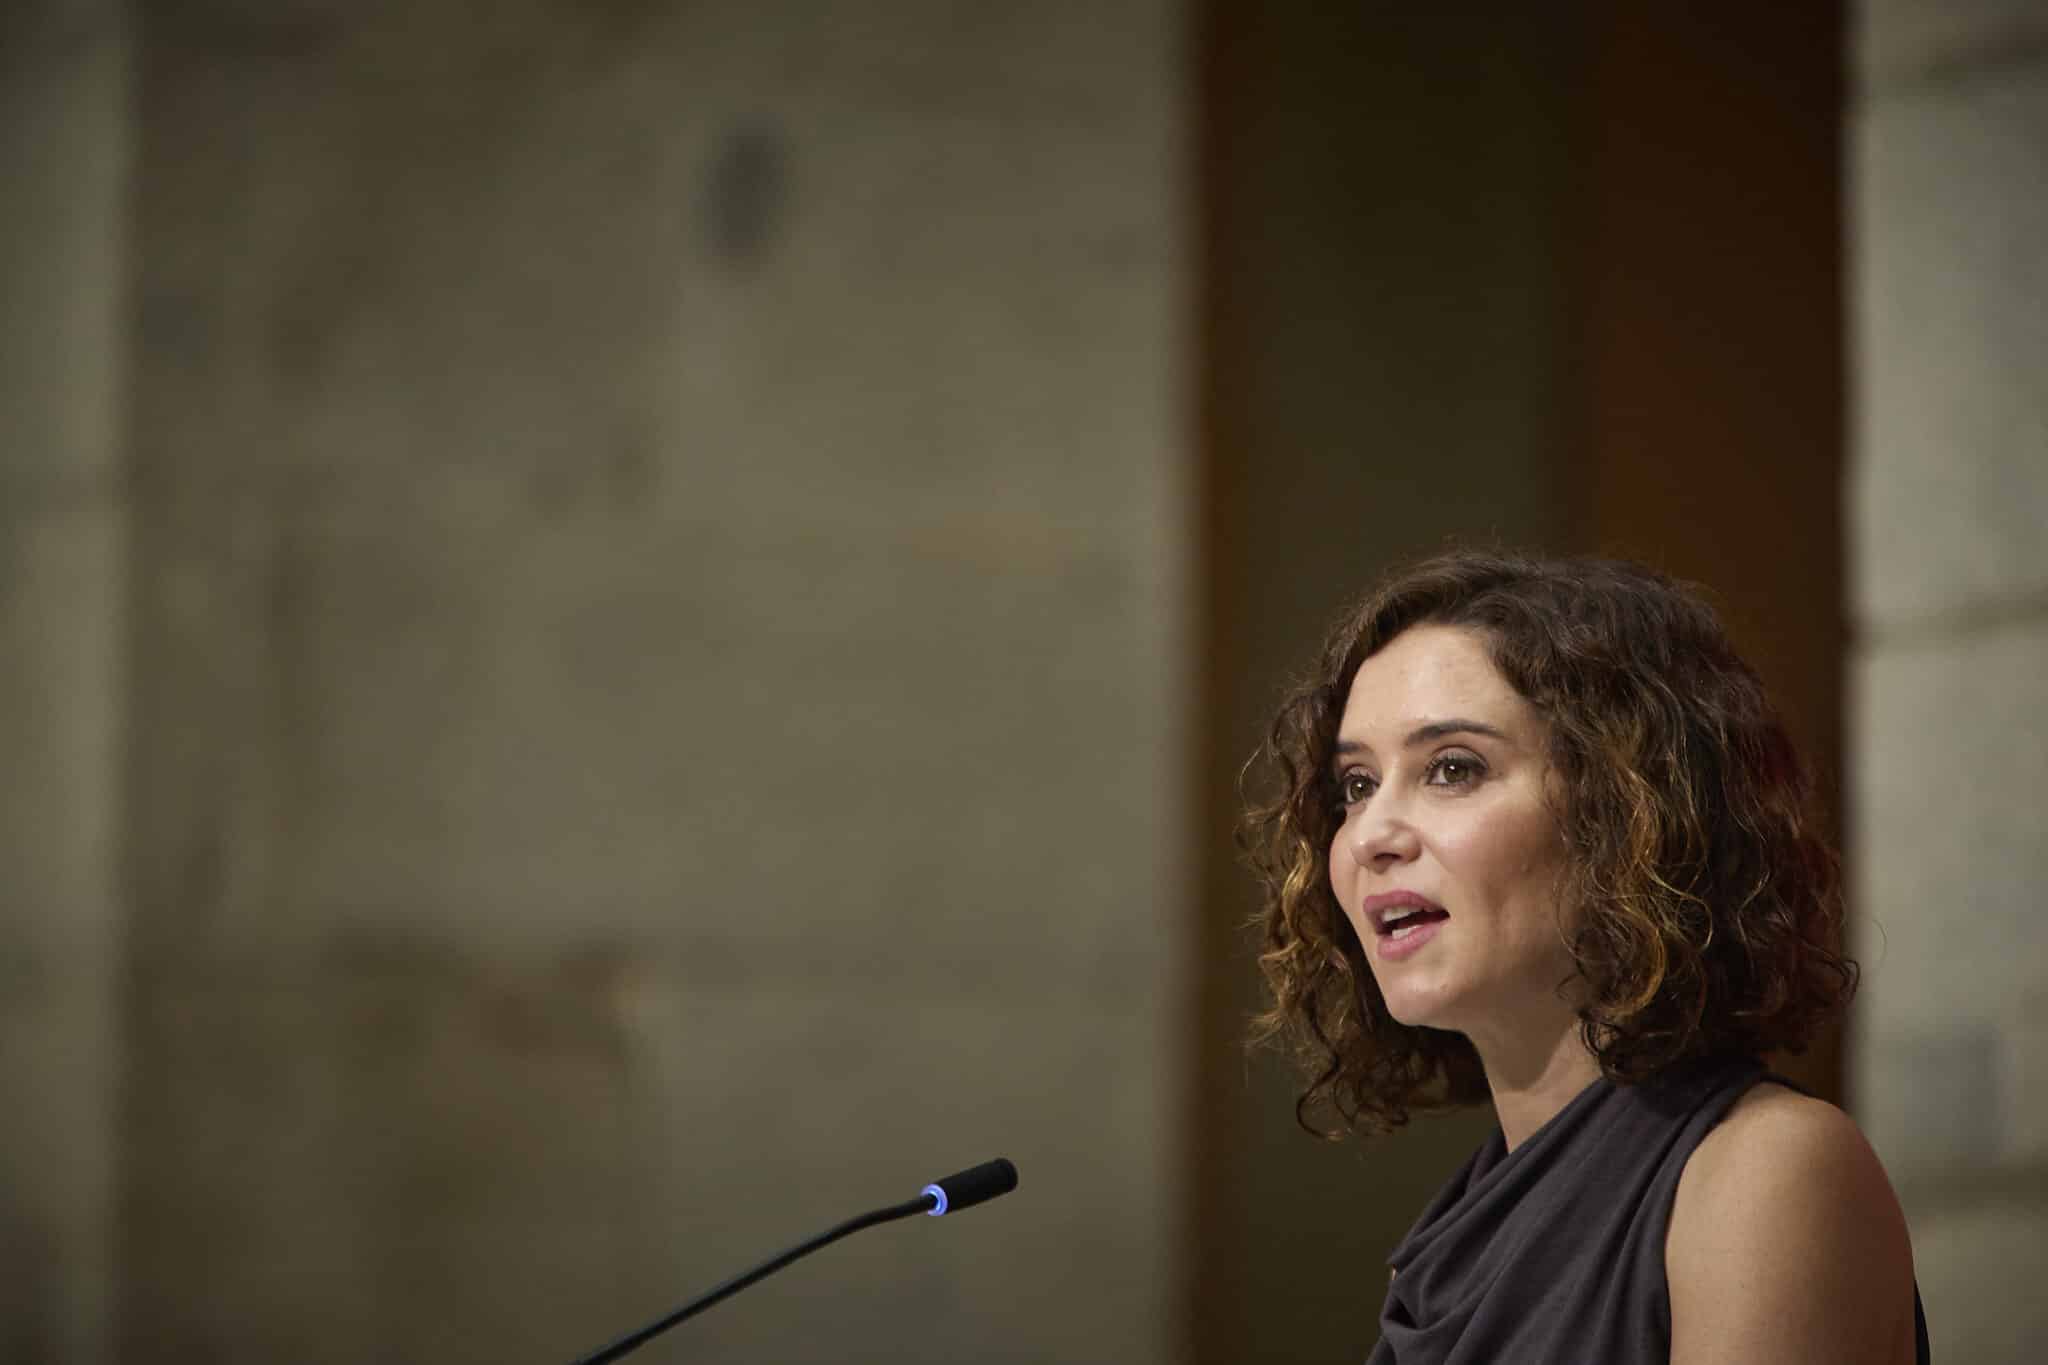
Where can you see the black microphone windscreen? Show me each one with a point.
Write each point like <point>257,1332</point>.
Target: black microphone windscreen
<point>975,1185</point>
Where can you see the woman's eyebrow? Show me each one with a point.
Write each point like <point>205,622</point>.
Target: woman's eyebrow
<point>1423,734</point>
<point>1437,729</point>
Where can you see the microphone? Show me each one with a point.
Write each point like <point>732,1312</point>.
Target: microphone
<point>975,1185</point>
<point>961,1190</point>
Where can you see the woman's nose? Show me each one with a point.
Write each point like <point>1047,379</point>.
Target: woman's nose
<point>1380,838</point>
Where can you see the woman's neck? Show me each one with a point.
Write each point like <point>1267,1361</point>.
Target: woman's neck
<point>1532,1079</point>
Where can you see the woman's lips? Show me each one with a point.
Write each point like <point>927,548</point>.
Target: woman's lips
<point>1402,922</point>
<point>1394,906</point>
<point>1407,940</point>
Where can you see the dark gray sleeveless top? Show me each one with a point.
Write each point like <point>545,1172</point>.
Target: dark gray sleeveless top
<point>1555,1252</point>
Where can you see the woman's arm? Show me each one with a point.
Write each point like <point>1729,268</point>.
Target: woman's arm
<point>1787,1244</point>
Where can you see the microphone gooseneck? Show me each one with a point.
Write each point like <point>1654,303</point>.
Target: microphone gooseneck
<point>962,1190</point>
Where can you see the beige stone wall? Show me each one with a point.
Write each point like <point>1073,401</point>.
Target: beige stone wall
<point>1949,504</point>
<point>63,150</point>
<point>659,551</point>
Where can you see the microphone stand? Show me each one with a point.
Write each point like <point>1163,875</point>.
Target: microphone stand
<point>960,1191</point>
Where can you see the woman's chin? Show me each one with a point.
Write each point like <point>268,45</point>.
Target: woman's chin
<point>1414,1009</point>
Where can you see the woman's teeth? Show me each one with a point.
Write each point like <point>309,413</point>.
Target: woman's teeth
<point>1406,920</point>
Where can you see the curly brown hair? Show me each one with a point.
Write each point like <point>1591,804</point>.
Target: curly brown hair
<point>1707,905</point>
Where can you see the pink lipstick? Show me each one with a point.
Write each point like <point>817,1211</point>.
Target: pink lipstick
<point>1402,923</point>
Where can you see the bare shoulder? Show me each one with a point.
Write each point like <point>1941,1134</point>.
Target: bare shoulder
<point>1795,1144</point>
<point>1787,1242</point>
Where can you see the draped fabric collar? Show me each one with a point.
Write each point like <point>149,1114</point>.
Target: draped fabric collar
<point>1515,1254</point>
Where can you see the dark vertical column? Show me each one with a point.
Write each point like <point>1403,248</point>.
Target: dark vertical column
<point>1382,331</point>
<point>1567,281</point>
<point>1709,309</point>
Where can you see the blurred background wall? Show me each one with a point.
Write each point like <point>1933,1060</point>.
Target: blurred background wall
<point>1948,501</point>
<point>657,538</point>
<point>65,157</point>
<point>630,626</point>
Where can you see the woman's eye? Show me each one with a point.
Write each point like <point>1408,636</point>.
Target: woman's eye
<point>1354,788</point>
<point>1454,770</point>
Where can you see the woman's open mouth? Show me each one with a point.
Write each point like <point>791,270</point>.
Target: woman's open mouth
<point>1403,922</point>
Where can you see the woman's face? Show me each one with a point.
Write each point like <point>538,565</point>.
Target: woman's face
<point>1448,856</point>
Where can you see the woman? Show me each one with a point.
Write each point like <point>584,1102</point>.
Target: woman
<point>1539,838</point>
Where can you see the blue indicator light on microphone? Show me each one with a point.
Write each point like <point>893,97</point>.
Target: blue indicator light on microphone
<point>938,1194</point>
